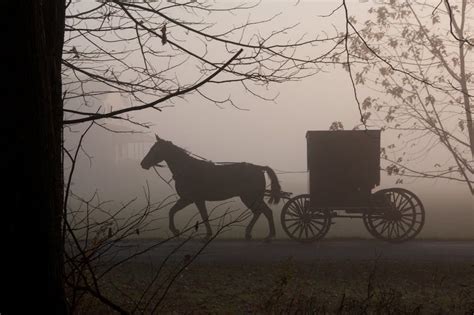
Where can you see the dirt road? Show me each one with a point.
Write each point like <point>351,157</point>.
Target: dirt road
<point>236,251</point>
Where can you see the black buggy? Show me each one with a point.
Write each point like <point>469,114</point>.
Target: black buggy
<point>344,167</point>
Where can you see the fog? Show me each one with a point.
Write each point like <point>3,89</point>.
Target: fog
<point>266,134</point>
<point>261,132</point>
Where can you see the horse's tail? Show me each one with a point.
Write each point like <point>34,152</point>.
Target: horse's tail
<point>275,191</point>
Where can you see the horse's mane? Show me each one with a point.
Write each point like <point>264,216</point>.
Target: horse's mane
<point>183,152</point>
<point>175,150</point>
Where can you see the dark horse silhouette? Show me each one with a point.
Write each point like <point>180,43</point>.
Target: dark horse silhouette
<point>198,181</point>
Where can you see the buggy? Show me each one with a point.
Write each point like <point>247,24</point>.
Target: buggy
<point>344,168</point>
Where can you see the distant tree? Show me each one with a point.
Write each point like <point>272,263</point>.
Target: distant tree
<point>336,125</point>
<point>154,53</point>
<point>413,61</point>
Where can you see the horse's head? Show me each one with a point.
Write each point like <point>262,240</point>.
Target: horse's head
<point>157,153</point>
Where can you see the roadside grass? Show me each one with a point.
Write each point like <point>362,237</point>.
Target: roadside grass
<point>322,287</point>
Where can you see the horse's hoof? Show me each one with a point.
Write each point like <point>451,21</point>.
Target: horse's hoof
<point>175,232</point>
<point>248,237</point>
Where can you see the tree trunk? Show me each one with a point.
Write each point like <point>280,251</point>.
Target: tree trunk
<point>33,34</point>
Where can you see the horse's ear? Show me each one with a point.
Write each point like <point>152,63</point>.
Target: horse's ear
<point>157,138</point>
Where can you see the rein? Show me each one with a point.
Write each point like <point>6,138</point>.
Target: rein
<point>198,157</point>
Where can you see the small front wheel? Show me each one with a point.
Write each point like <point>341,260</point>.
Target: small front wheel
<point>302,223</point>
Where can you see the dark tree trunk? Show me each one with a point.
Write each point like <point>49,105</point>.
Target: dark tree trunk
<point>32,251</point>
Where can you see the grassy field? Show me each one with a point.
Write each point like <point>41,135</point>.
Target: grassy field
<point>324,287</point>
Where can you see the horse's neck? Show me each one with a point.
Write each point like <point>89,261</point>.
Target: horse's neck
<point>180,163</point>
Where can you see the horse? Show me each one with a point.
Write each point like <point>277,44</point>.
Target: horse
<point>198,181</point>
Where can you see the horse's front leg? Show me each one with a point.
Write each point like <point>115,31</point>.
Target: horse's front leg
<point>248,230</point>
<point>205,218</point>
<point>180,204</point>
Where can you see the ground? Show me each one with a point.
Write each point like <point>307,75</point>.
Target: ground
<point>333,277</point>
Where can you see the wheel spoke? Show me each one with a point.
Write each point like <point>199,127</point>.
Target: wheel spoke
<point>402,227</point>
<point>296,229</point>
<point>293,224</point>
<point>311,229</point>
<point>390,230</point>
<point>301,205</point>
<point>396,199</point>
<point>406,221</point>
<point>376,223</point>
<point>381,222</point>
<point>397,229</point>
<point>301,233</point>
<point>292,219</point>
<point>402,207</point>
<point>407,210</point>
<point>395,232</point>
<point>294,208</point>
<point>412,215</point>
<point>313,224</point>
<point>299,210</point>
<point>384,228</point>
<point>293,214</point>
<point>317,222</point>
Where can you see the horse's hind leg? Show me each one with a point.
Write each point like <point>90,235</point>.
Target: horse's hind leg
<point>248,229</point>
<point>267,212</point>
<point>205,218</point>
<point>258,206</point>
<point>180,204</point>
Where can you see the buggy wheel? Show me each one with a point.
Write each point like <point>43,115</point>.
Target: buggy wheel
<point>302,223</point>
<point>401,220</point>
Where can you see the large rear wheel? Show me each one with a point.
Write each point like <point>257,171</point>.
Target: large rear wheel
<point>401,219</point>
